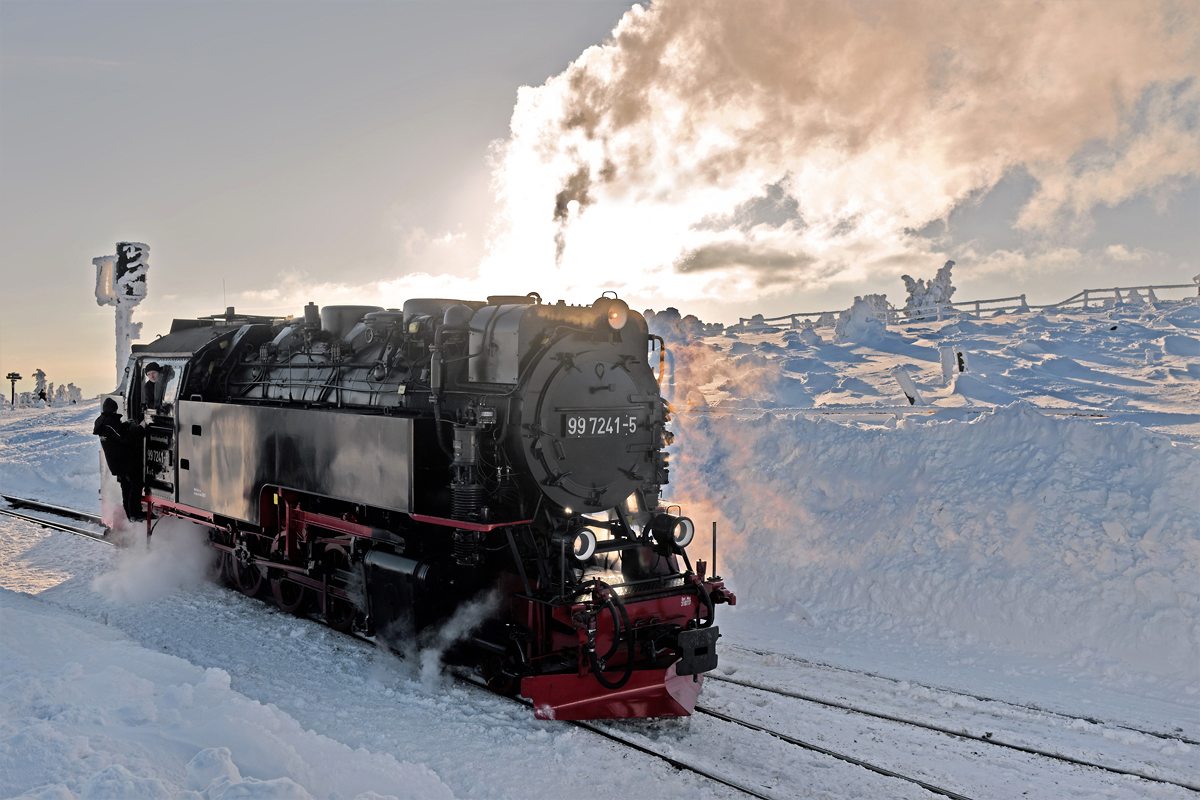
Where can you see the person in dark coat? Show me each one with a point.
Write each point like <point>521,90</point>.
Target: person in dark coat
<point>150,390</point>
<point>122,445</point>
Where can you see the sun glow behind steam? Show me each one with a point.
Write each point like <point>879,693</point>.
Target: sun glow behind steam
<point>734,150</point>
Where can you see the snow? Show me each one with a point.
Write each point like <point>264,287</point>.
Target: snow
<point>89,711</point>
<point>50,454</point>
<point>1041,534</point>
<point>938,291</point>
<point>992,562</point>
<point>857,324</point>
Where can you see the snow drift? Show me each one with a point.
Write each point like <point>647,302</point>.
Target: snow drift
<point>1044,534</point>
<point>89,713</point>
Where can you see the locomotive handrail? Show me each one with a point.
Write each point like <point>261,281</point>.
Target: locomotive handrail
<point>468,526</point>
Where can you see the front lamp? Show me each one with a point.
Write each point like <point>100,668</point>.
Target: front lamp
<point>580,542</point>
<point>584,544</point>
<point>676,530</point>
<point>618,314</point>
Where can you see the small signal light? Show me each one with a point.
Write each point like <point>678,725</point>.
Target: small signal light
<point>618,314</point>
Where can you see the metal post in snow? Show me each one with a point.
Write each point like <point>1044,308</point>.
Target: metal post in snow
<point>714,566</point>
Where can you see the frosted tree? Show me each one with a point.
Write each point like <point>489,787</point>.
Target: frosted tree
<point>74,393</point>
<point>860,321</point>
<point>39,384</point>
<point>60,395</point>
<point>937,292</point>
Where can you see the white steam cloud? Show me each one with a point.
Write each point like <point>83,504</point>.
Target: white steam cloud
<point>738,147</point>
<point>424,651</point>
<point>177,557</point>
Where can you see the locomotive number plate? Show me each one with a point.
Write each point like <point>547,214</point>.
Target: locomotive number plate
<point>577,426</point>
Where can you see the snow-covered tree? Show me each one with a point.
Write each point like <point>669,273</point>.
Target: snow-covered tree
<point>860,322</point>
<point>936,292</point>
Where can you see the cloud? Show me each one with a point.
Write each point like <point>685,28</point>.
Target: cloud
<point>707,141</point>
<point>745,255</point>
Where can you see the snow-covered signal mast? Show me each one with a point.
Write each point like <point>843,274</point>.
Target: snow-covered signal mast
<point>121,282</point>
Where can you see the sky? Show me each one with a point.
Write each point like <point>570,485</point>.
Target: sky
<point>724,158</point>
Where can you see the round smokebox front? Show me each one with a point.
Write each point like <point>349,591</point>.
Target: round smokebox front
<point>588,435</point>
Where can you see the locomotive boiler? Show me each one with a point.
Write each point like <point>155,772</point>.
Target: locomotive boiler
<point>385,468</point>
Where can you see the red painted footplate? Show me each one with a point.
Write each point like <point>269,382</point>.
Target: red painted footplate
<point>649,693</point>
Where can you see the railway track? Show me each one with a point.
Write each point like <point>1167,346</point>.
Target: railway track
<point>1165,737</point>
<point>610,732</point>
<point>956,733</point>
<point>16,503</point>
<point>600,729</point>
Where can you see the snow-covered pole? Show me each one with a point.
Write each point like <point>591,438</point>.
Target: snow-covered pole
<point>121,282</point>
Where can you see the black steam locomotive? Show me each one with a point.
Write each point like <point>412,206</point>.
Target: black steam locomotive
<point>383,467</point>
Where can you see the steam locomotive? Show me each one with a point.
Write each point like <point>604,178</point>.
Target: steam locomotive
<point>387,467</point>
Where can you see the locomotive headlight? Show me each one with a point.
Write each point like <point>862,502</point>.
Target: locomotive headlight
<point>584,544</point>
<point>667,528</point>
<point>618,314</point>
<point>683,532</point>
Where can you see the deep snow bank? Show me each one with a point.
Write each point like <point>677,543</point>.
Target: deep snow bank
<point>1046,534</point>
<point>87,713</point>
<point>50,454</point>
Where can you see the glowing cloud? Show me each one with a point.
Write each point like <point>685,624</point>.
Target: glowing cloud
<point>738,148</point>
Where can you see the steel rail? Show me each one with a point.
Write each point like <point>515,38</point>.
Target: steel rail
<point>62,511</point>
<point>1168,737</point>
<point>596,729</point>
<point>952,732</point>
<point>58,526</point>
<point>929,787</point>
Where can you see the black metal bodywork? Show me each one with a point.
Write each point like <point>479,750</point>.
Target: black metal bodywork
<point>404,461</point>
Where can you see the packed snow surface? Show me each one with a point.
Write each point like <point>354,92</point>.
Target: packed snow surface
<point>1020,557</point>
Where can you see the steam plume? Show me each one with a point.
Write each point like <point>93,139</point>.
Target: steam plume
<point>740,146</point>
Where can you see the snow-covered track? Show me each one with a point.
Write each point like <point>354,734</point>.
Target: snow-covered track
<point>50,508</point>
<point>1092,720</point>
<point>54,524</point>
<point>959,733</point>
<point>929,787</point>
<point>682,765</point>
<point>613,737</point>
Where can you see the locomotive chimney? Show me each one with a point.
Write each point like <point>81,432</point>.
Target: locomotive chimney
<point>312,317</point>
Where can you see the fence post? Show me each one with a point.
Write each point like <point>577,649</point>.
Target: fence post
<point>1117,292</point>
<point>1085,298</point>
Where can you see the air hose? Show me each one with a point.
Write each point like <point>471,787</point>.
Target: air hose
<point>611,601</point>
